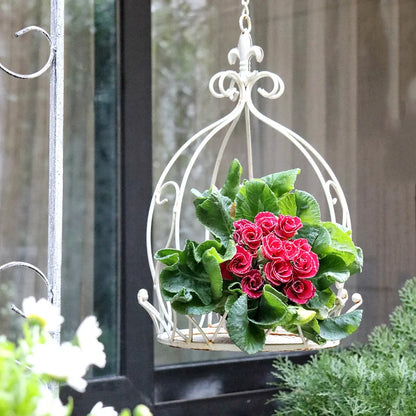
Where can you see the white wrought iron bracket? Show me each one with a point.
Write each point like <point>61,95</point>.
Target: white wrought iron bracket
<point>55,64</point>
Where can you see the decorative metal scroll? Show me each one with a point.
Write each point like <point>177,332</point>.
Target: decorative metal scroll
<point>55,64</point>
<point>209,331</point>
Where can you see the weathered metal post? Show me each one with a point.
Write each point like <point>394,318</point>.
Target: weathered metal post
<point>56,125</point>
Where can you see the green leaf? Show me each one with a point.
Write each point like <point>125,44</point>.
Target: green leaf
<point>193,307</point>
<point>324,298</point>
<point>246,335</point>
<point>287,205</point>
<point>341,326</point>
<point>307,208</point>
<point>282,182</point>
<point>341,243</point>
<point>142,410</point>
<point>210,260</point>
<point>312,331</point>
<point>301,316</point>
<point>318,238</point>
<point>194,283</point>
<point>188,258</point>
<point>168,256</point>
<point>357,265</point>
<point>322,303</point>
<point>333,267</point>
<point>254,197</point>
<point>181,284</point>
<point>69,406</point>
<point>186,281</point>
<point>212,254</point>
<point>232,181</point>
<point>271,310</point>
<point>222,252</point>
<point>230,301</point>
<point>323,282</point>
<point>213,211</point>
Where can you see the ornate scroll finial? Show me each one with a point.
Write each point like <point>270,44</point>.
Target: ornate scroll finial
<point>244,52</point>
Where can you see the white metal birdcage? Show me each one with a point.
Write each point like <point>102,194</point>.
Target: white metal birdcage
<point>208,332</point>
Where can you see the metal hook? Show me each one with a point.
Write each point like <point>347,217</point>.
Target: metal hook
<point>48,63</point>
<point>29,266</point>
<point>38,272</point>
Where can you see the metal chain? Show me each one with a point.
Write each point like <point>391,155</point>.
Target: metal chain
<point>245,21</point>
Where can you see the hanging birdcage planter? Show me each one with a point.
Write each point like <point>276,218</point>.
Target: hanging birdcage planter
<point>270,273</point>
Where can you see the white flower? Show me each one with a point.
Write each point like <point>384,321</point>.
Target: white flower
<point>49,405</point>
<point>63,363</point>
<point>87,339</point>
<point>42,313</point>
<point>99,410</point>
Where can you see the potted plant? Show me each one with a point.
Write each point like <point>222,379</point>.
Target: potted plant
<point>271,262</point>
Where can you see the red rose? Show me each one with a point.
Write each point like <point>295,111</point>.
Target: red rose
<point>266,221</point>
<point>252,284</point>
<point>306,264</point>
<point>291,249</point>
<point>278,272</point>
<point>302,243</point>
<point>272,248</point>
<point>251,236</point>
<point>287,226</point>
<point>225,273</point>
<point>300,291</point>
<point>238,226</point>
<point>240,264</point>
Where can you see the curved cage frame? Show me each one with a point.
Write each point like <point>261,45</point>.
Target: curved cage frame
<point>208,332</point>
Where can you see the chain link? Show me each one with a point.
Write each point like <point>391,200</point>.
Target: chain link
<point>245,21</point>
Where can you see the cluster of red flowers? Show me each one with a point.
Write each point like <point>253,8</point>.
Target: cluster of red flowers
<point>268,253</point>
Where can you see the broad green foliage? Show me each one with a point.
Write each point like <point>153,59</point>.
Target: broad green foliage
<point>253,197</point>
<point>19,388</point>
<point>212,210</point>
<point>192,279</point>
<point>246,335</point>
<point>376,379</point>
<point>232,182</point>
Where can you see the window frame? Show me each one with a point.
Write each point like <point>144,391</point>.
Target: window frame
<point>242,386</point>
<point>134,384</point>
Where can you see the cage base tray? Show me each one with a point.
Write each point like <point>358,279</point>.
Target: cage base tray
<point>279,340</point>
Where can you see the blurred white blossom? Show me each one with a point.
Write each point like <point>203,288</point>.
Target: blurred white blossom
<point>87,339</point>
<point>63,363</point>
<point>42,312</point>
<point>49,405</point>
<point>100,410</point>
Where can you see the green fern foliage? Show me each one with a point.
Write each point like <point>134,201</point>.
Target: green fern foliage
<point>376,379</point>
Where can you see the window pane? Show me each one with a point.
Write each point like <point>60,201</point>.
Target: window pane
<point>90,263</point>
<point>90,258</point>
<point>350,91</point>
